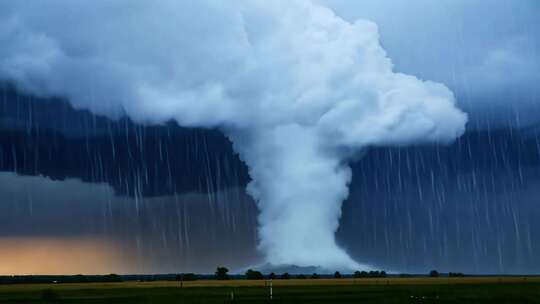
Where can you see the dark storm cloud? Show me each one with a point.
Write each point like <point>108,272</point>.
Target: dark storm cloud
<point>487,52</point>
<point>49,137</point>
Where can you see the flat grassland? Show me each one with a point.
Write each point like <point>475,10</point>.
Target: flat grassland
<point>511,290</point>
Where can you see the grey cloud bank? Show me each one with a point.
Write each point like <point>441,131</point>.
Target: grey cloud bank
<point>298,90</point>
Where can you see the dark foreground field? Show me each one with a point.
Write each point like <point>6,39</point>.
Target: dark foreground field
<point>442,290</point>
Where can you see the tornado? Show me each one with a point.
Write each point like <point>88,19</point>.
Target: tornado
<point>300,92</point>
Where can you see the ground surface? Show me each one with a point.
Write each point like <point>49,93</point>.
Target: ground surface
<point>414,290</point>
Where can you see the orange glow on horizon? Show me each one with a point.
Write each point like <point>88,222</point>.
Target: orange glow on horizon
<point>59,256</point>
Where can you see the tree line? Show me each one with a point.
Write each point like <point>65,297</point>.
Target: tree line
<point>221,273</point>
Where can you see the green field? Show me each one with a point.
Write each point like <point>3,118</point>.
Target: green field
<point>415,290</point>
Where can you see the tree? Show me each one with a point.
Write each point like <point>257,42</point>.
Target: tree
<point>315,276</point>
<point>253,275</point>
<point>337,275</point>
<point>285,276</point>
<point>186,277</point>
<point>374,274</point>
<point>301,276</point>
<point>222,273</point>
<point>434,274</point>
<point>371,274</point>
<point>112,278</point>
<point>272,276</point>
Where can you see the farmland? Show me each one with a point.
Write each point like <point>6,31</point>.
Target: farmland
<point>382,290</point>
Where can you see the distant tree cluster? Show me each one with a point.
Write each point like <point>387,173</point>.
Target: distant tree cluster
<point>254,275</point>
<point>222,273</point>
<point>186,277</point>
<point>251,274</point>
<point>371,274</point>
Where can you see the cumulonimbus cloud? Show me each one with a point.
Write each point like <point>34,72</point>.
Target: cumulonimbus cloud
<point>298,90</point>
<point>485,52</point>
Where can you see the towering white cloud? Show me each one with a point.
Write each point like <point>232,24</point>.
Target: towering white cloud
<point>485,51</point>
<point>298,90</point>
